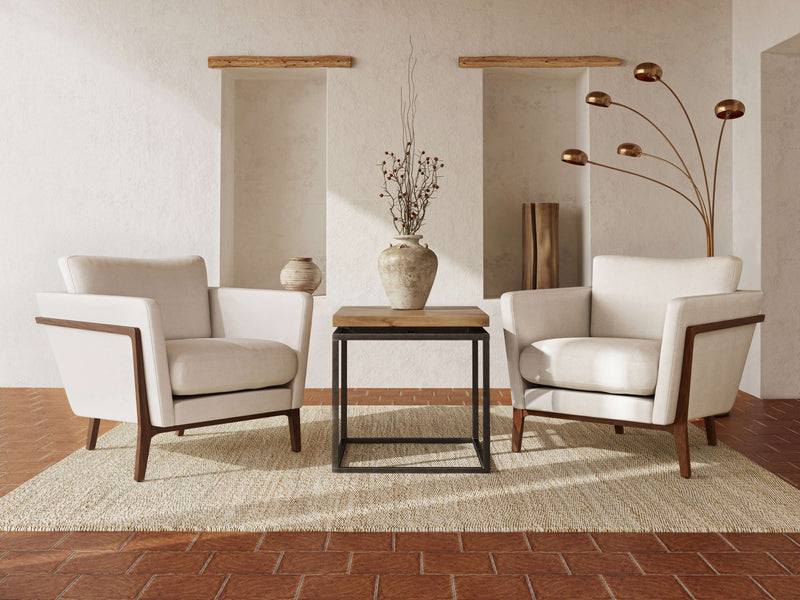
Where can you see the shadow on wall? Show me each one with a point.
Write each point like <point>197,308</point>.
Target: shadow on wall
<point>780,215</point>
<point>103,40</point>
<point>273,175</point>
<point>528,115</point>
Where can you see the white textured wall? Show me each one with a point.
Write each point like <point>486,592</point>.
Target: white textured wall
<point>758,25</point>
<point>529,116</point>
<point>780,214</point>
<point>112,141</point>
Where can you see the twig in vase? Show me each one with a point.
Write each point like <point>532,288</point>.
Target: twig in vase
<point>410,179</point>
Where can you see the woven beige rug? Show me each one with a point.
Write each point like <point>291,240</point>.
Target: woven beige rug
<point>570,477</point>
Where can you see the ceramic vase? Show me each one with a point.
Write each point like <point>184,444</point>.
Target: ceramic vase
<point>407,271</point>
<point>300,274</point>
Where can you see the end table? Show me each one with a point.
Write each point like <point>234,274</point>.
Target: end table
<point>436,323</point>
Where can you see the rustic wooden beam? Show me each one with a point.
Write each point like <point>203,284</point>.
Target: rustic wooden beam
<point>278,62</point>
<point>536,62</point>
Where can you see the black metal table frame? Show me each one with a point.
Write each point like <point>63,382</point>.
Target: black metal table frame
<point>339,436</point>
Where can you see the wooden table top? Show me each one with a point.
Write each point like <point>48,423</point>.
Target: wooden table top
<point>430,316</point>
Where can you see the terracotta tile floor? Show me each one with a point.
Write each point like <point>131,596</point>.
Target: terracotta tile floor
<point>38,429</point>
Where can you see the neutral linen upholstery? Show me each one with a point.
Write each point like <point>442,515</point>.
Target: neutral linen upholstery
<point>96,368</point>
<point>539,315</point>
<point>215,365</point>
<point>542,319</point>
<point>178,285</point>
<point>266,314</point>
<point>719,356</point>
<point>131,331</point>
<point>195,409</point>
<point>615,352</point>
<point>630,294</point>
<point>638,409</point>
<point>612,365</point>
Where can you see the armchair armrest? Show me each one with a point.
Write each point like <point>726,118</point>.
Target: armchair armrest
<point>91,336</point>
<point>532,315</point>
<point>718,354</point>
<point>276,315</point>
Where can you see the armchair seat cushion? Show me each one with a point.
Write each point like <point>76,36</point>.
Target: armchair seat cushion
<point>216,365</point>
<point>601,364</point>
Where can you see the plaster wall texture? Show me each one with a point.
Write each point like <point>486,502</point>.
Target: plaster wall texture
<point>780,213</point>
<point>584,181</point>
<point>279,174</point>
<point>117,142</point>
<point>529,116</point>
<point>758,26</point>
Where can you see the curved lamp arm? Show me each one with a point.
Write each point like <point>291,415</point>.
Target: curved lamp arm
<point>635,151</point>
<point>577,157</point>
<point>716,164</point>
<point>650,72</point>
<point>725,109</point>
<point>694,134</point>
<point>603,100</point>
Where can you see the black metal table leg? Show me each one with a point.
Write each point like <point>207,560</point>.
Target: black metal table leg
<point>344,393</point>
<point>487,436</point>
<point>475,432</point>
<point>335,463</point>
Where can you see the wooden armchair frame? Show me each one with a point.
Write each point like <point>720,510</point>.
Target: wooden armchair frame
<point>678,428</point>
<point>146,430</point>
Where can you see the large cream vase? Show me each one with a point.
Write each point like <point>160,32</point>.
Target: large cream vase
<point>407,271</point>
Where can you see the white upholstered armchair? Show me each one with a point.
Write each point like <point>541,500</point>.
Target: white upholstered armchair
<point>148,342</point>
<point>652,343</point>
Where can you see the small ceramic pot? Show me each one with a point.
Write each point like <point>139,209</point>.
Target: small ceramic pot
<point>301,275</point>
<point>407,271</point>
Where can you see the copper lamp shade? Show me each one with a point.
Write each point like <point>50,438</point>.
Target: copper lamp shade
<point>648,72</point>
<point>725,110</point>
<point>574,156</point>
<point>729,109</point>
<point>629,149</point>
<point>598,99</point>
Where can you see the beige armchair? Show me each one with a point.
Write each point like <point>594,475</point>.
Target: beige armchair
<point>652,343</point>
<point>148,342</point>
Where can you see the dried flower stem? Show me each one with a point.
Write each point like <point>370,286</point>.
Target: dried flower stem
<point>410,179</point>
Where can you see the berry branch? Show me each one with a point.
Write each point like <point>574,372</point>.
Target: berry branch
<point>410,178</point>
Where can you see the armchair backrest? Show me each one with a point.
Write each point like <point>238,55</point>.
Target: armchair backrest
<point>178,285</point>
<point>630,294</point>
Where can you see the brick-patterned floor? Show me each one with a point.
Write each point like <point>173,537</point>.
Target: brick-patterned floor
<point>37,429</point>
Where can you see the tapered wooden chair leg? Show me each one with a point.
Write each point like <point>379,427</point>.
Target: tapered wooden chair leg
<point>179,433</point>
<point>142,452</point>
<point>91,435</point>
<point>619,429</point>
<point>516,432</point>
<point>681,435</point>
<point>294,429</point>
<point>711,431</point>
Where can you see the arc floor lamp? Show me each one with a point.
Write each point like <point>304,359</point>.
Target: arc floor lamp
<point>705,205</point>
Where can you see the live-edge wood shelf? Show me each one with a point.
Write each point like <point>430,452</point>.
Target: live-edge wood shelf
<point>536,62</point>
<point>279,62</point>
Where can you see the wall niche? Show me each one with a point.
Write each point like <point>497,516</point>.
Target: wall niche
<point>273,173</point>
<point>529,117</point>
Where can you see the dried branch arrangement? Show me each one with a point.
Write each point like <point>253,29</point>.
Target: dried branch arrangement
<point>410,179</point>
